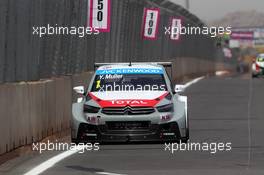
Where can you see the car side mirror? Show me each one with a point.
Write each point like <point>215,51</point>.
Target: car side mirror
<point>179,88</point>
<point>79,90</point>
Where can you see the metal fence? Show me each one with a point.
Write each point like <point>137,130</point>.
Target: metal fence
<point>27,57</point>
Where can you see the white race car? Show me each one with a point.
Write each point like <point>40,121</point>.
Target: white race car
<point>258,66</point>
<point>130,102</point>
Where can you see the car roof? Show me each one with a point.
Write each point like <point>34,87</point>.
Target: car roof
<point>133,66</point>
<point>261,55</point>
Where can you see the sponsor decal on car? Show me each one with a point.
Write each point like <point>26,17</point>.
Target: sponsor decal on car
<point>123,103</point>
<point>93,119</point>
<point>130,71</point>
<point>110,76</point>
<point>165,117</point>
<point>128,102</point>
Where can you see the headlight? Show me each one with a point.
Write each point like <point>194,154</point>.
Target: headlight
<point>88,97</point>
<point>90,109</point>
<point>168,96</point>
<point>166,108</point>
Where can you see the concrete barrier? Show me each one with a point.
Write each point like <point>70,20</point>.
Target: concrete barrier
<point>32,111</point>
<point>191,67</point>
<point>4,122</point>
<point>51,108</point>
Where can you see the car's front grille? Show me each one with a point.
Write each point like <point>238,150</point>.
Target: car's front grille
<point>128,110</point>
<point>128,125</point>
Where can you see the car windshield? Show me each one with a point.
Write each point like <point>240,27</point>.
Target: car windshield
<point>129,82</point>
<point>260,59</point>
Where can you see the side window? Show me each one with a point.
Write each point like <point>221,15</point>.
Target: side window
<point>260,59</point>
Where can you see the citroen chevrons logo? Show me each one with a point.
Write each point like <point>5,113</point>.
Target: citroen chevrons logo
<point>129,102</point>
<point>127,110</point>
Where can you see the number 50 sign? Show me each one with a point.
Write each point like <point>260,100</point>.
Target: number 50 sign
<point>151,23</point>
<point>100,15</point>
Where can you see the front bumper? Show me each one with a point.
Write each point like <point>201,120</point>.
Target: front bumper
<point>257,72</point>
<point>102,133</point>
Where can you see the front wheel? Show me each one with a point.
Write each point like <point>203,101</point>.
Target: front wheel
<point>186,138</point>
<point>187,131</point>
<point>254,76</point>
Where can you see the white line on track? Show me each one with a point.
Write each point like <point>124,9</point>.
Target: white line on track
<point>196,80</point>
<point>107,173</point>
<point>52,161</point>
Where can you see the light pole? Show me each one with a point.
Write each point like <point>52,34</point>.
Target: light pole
<point>187,5</point>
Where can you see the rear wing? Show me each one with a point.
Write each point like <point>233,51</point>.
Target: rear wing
<point>164,64</point>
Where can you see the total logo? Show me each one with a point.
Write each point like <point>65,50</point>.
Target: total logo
<point>129,102</point>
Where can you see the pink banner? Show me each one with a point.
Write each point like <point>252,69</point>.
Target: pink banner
<point>242,35</point>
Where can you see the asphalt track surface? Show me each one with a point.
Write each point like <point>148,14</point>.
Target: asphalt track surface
<point>221,109</point>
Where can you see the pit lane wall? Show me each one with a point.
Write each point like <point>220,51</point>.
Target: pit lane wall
<point>31,111</point>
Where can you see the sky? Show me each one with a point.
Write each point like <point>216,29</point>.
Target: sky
<point>209,10</point>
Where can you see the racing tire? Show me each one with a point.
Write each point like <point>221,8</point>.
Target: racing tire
<point>187,131</point>
<point>254,76</point>
<point>186,138</point>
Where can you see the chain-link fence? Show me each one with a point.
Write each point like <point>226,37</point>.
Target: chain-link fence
<point>27,57</point>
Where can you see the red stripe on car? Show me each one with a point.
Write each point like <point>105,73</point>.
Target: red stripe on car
<point>128,102</point>
<point>257,67</point>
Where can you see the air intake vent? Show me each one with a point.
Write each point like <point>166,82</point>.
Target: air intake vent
<point>128,110</point>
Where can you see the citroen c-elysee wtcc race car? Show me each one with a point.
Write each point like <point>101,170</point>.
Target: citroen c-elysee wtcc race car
<point>130,102</point>
<point>258,66</point>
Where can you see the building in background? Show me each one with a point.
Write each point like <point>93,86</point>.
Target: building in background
<point>247,37</point>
